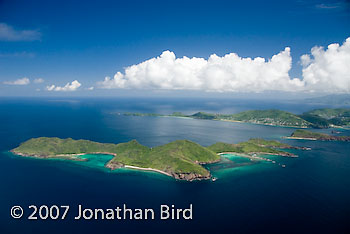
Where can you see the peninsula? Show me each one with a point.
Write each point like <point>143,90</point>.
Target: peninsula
<point>308,135</point>
<point>319,118</point>
<point>181,159</point>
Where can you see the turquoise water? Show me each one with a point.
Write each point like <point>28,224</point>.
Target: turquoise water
<point>95,160</point>
<point>229,163</point>
<point>310,195</point>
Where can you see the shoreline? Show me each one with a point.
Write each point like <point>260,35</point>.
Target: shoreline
<point>113,166</point>
<point>235,121</point>
<point>257,155</point>
<point>147,169</point>
<point>300,138</point>
<point>265,124</point>
<point>81,154</point>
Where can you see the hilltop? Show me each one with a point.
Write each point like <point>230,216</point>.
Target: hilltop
<point>319,118</point>
<point>309,135</point>
<point>326,117</point>
<point>181,159</point>
<point>253,146</point>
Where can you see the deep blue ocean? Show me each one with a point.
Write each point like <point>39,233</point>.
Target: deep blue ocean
<point>310,195</point>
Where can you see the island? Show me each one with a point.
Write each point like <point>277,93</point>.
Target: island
<point>309,135</point>
<point>254,146</point>
<point>180,159</point>
<point>328,117</point>
<point>319,118</point>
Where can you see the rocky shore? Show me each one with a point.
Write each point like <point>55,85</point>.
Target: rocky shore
<point>316,136</point>
<point>177,176</point>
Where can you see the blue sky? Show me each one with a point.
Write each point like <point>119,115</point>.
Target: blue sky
<point>63,41</point>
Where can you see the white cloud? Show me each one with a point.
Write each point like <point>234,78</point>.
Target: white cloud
<point>328,70</point>
<point>8,33</point>
<point>324,70</point>
<point>91,88</point>
<point>22,81</point>
<point>73,86</point>
<point>228,73</point>
<point>39,81</point>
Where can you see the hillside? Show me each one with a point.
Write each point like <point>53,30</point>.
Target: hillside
<point>319,118</point>
<point>269,117</point>
<point>253,146</point>
<point>309,135</point>
<point>180,159</point>
<point>329,117</point>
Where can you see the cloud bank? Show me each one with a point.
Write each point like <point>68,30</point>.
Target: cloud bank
<point>22,81</point>
<point>323,71</point>
<point>8,33</point>
<point>73,86</point>
<point>328,70</point>
<point>228,73</point>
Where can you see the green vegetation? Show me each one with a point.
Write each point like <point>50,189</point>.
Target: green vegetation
<point>45,146</point>
<point>253,146</point>
<point>271,117</point>
<point>316,121</point>
<point>180,159</point>
<point>329,117</point>
<point>320,118</point>
<point>267,143</point>
<point>304,134</point>
<point>307,134</point>
<point>203,115</point>
<point>143,114</point>
<point>328,113</point>
<point>268,117</point>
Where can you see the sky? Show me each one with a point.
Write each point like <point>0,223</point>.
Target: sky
<point>150,48</point>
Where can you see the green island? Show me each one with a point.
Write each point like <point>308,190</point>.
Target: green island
<point>309,135</point>
<point>180,159</point>
<point>319,118</point>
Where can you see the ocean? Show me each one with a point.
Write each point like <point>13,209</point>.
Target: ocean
<point>310,195</point>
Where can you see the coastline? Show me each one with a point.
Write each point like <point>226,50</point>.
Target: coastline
<point>61,156</point>
<point>178,176</point>
<point>81,154</point>
<point>256,123</point>
<point>237,121</point>
<point>147,169</point>
<point>300,138</point>
<point>255,155</point>
<point>113,166</point>
<point>234,121</point>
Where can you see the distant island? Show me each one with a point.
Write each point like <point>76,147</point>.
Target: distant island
<point>319,118</point>
<point>181,159</point>
<point>308,135</point>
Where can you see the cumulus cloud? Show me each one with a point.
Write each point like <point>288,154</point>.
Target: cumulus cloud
<point>327,70</point>
<point>8,33</point>
<point>39,81</point>
<point>228,73</point>
<point>91,88</point>
<point>22,81</point>
<point>73,86</point>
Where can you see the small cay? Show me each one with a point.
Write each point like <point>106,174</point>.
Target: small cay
<point>309,135</point>
<point>181,159</point>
